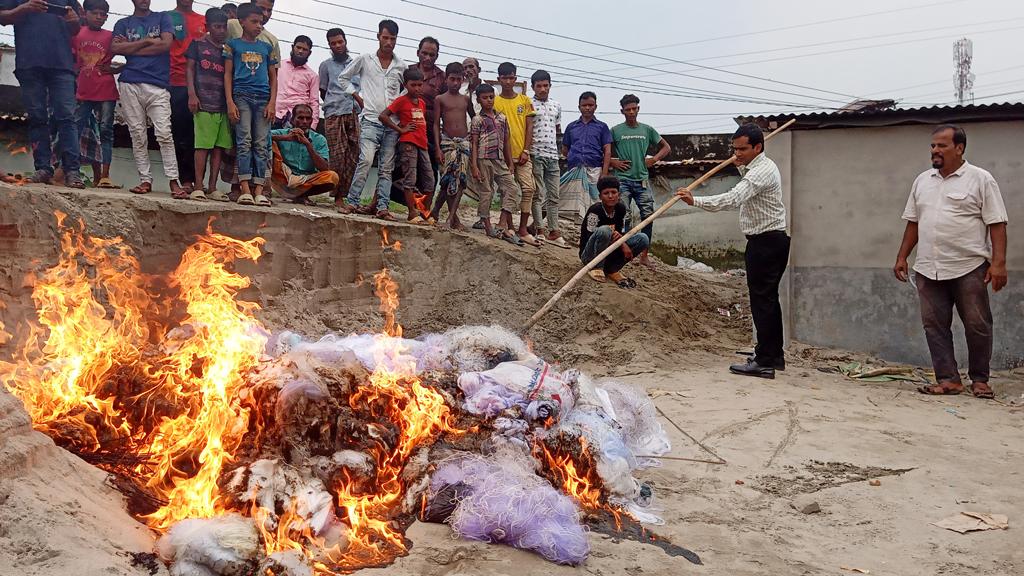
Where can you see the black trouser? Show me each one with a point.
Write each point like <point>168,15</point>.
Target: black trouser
<point>184,133</point>
<point>766,257</point>
<point>969,294</point>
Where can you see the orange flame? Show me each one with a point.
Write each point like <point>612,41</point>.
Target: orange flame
<point>386,242</point>
<point>577,476</point>
<point>103,326</point>
<point>68,369</point>
<point>387,290</point>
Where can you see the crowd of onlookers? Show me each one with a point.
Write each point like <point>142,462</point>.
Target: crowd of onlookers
<point>225,106</point>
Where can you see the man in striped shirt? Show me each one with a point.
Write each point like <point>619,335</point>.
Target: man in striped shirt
<point>763,220</point>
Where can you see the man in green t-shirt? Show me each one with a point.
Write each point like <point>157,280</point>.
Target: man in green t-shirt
<point>632,140</point>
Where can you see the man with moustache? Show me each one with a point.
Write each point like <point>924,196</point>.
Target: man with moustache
<point>433,84</point>
<point>297,83</point>
<point>380,81</point>
<point>341,114</point>
<point>957,220</point>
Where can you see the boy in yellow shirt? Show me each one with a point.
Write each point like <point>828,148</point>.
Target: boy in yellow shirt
<point>518,110</point>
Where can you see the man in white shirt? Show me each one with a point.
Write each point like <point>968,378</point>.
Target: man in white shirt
<point>957,220</point>
<point>763,220</point>
<point>380,82</point>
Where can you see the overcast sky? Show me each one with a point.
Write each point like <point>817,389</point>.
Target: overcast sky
<point>823,54</point>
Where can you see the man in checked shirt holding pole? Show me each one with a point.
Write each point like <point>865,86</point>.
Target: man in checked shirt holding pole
<point>763,220</point>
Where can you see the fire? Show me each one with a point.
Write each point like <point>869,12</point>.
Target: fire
<point>386,290</point>
<point>575,473</point>
<point>99,322</point>
<point>386,243</point>
<point>577,476</point>
<point>147,378</point>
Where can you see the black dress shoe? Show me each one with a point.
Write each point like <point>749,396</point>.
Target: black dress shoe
<point>752,368</point>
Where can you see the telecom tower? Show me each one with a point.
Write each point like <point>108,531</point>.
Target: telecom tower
<point>963,80</point>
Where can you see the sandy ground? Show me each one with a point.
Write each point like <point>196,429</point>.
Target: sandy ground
<point>806,434</point>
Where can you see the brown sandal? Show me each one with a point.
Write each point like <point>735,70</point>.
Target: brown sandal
<point>982,390</point>
<point>942,389</point>
<point>142,188</point>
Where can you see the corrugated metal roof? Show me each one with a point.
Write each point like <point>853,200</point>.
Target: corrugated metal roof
<point>893,116</point>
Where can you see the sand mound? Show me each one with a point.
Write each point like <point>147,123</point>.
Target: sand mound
<point>316,276</point>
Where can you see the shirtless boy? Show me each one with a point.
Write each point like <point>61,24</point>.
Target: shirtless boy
<point>451,132</point>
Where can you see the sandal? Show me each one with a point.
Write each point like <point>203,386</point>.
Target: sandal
<point>982,390</point>
<point>512,239</point>
<point>107,183</point>
<point>246,200</point>
<point>597,275</point>
<point>558,241</point>
<point>626,283</point>
<point>529,239</point>
<point>386,215</point>
<point>345,209</point>
<point>198,194</point>
<point>218,196</point>
<point>418,220</point>
<point>368,210</point>
<point>142,188</point>
<point>261,200</point>
<point>942,389</point>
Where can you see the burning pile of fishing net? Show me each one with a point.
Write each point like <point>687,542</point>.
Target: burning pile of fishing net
<point>514,453</point>
<point>254,451</point>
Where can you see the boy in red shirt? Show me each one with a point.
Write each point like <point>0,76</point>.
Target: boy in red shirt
<point>417,174</point>
<point>97,91</point>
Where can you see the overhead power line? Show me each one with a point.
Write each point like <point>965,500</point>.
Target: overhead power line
<point>928,5</point>
<point>603,45</point>
<point>673,89</point>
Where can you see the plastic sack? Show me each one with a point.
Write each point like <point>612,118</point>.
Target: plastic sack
<point>533,385</point>
<point>501,501</point>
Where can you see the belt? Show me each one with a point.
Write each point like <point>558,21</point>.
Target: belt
<point>768,234</point>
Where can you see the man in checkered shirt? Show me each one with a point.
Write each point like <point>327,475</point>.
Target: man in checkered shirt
<point>763,220</point>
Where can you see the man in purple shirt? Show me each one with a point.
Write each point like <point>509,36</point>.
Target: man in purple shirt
<point>587,143</point>
<point>45,69</point>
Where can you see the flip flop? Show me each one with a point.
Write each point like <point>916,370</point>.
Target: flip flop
<point>418,220</point>
<point>246,200</point>
<point>261,200</point>
<point>626,283</point>
<point>982,390</point>
<point>107,183</point>
<point>559,242</point>
<point>597,276</point>
<point>142,188</point>
<point>943,389</point>
<point>198,194</point>
<point>512,239</point>
<point>217,196</point>
<point>529,239</point>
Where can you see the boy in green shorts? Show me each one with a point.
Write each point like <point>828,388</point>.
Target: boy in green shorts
<point>205,81</point>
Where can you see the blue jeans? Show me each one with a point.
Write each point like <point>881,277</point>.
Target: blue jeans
<point>614,262</point>
<point>252,138</point>
<point>106,115</point>
<point>634,190</point>
<point>374,138</point>
<point>45,91</point>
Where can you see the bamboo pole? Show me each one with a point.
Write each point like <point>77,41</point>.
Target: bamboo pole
<point>622,240</point>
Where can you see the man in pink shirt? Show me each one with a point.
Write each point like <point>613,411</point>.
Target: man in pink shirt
<point>297,83</point>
